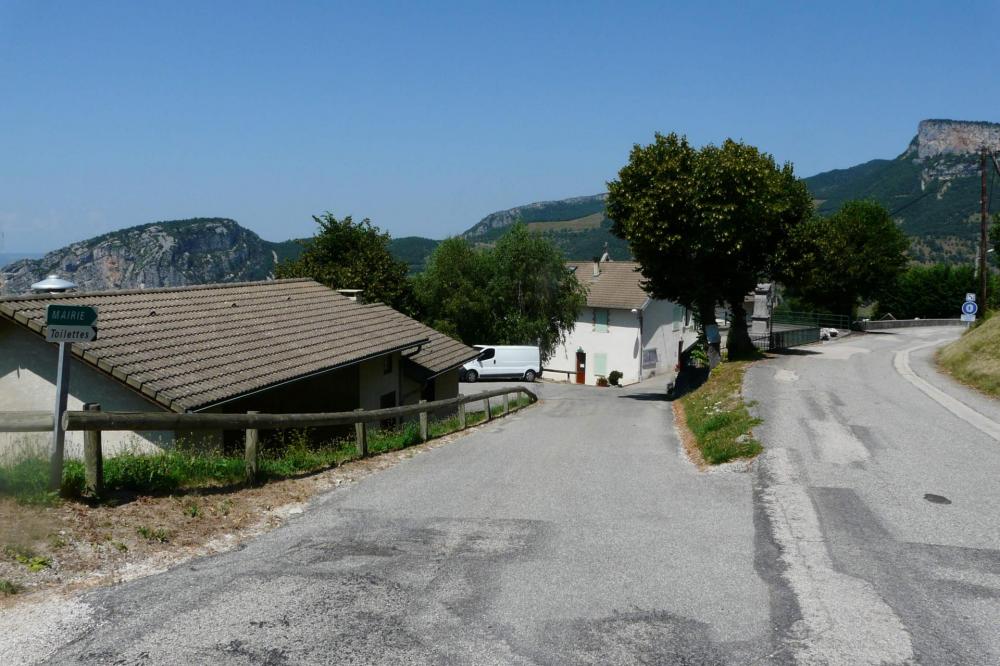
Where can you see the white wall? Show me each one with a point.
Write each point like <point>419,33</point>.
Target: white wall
<point>27,383</point>
<point>662,328</point>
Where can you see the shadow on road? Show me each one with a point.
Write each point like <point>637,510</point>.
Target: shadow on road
<point>652,397</point>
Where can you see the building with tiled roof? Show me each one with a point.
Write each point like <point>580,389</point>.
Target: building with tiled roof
<point>621,328</point>
<point>274,346</point>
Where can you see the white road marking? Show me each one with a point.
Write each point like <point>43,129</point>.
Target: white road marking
<point>783,375</point>
<point>844,620</point>
<point>836,443</point>
<point>901,361</point>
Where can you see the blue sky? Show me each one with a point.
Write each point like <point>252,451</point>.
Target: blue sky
<point>427,116</point>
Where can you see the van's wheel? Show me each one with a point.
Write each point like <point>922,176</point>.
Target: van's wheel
<point>471,376</point>
<point>529,376</point>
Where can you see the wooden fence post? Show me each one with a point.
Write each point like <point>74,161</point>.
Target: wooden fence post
<point>506,404</point>
<point>93,456</point>
<point>423,424</point>
<point>252,450</point>
<point>489,412</point>
<point>361,436</point>
<point>461,416</point>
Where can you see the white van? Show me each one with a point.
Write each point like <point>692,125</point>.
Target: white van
<point>504,361</point>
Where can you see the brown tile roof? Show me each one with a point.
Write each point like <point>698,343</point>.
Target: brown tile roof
<point>618,285</point>
<point>439,355</point>
<point>190,347</point>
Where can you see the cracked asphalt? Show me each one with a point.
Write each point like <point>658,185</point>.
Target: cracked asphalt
<point>577,532</point>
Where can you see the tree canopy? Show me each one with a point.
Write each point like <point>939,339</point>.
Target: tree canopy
<point>857,254</point>
<point>517,292</point>
<point>345,254</point>
<point>928,292</point>
<point>706,225</point>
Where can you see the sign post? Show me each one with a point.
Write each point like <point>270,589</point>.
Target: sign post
<point>969,310</point>
<point>65,324</point>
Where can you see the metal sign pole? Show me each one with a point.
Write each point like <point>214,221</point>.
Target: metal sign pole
<point>58,434</point>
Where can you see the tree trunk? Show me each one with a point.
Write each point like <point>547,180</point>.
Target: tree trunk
<point>706,312</point>
<point>738,342</point>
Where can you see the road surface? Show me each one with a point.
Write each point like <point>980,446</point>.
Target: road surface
<point>577,532</point>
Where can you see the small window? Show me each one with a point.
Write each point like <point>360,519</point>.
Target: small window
<point>678,315</point>
<point>387,365</point>
<point>601,321</point>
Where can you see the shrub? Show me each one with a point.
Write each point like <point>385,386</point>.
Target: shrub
<point>602,381</point>
<point>615,377</point>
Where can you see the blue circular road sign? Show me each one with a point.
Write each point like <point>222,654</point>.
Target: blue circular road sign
<point>970,308</point>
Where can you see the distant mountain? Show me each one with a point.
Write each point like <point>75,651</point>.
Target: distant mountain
<point>932,189</point>
<point>578,226</point>
<point>11,257</point>
<point>161,254</point>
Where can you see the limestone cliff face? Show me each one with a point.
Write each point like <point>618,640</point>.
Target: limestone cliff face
<point>955,137</point>
<point>163,254</point>
<point>564,209</point>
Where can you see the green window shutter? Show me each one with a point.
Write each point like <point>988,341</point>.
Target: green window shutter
<point>601,321</point>
<point>601,365</point>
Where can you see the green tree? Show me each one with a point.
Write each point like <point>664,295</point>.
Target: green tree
<point>517,292</point>
<point>345,254</point>
<point>857,254</point>
<point>706,225</point>
<point>928,292</point>
<point>453,292</point>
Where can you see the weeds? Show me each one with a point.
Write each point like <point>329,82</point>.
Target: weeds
<point>158,535</point>
<point>8,588</point>
<point>192,510</point>
<point>27,557</point>
<point>719,419</point>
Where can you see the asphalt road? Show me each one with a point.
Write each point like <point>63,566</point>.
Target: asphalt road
<point>576,532</point>
<point>880,486</point>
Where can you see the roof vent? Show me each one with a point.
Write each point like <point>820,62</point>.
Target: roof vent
<point>233,304</point>
<point>353,294</point>
<point>152,313</point>
<point>53,284</point>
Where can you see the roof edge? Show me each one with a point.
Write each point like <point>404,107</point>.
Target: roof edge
<point>155,290</point>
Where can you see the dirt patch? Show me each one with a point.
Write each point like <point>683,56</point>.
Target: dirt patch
<point>72,546</point>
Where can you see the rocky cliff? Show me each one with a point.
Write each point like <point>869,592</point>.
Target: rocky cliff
<point>955,137</point>
<point>542,211</point>
<point>162,254</point>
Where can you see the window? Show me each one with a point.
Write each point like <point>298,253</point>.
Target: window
<point>649,358</point>
<point>601,365</point>
<point>678,315</point>
<point>601,321</point>
<point>387,366</point>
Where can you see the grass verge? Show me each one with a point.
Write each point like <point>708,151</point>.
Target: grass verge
<point>718,418</point>
<point>288,454</point>
<point>974,359</point>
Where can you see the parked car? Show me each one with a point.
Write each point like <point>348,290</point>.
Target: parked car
<point>509,361</point>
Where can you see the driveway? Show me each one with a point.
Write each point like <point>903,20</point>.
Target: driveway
<point>571,532</point>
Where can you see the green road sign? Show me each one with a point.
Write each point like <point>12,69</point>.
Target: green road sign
<point>70,315</point>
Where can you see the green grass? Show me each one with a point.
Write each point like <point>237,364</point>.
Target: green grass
<point>8,588</point>
<point>288,454</point>
<point>27,557</point>
<point>718,417</point>
<point>974,358</point>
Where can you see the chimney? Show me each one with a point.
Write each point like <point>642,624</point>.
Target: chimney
<point>597,266</point>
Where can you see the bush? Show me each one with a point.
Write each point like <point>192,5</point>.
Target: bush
<point>615,377</point>
<point>602,381</point>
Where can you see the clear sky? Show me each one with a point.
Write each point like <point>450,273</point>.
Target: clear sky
<point>427,116</point>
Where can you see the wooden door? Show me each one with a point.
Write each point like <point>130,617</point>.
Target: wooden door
<point>581,367</point>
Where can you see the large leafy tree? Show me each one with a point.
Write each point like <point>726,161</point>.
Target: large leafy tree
<point>706,225</point>
<point>857,254</point>
<point>344,254</point>
<point>928,292</point>
<point>517,292</point>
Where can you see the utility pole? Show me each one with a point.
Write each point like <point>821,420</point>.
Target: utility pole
<point>983,214</point>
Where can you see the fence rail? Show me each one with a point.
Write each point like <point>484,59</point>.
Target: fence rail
<point>811,319</point>
<point>785,339</point>
<point>92,421</point>
<point>880,325</point>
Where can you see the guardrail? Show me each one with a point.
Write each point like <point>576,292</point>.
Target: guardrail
<point>811,319</point>
<point>880,325</point>
<point>92,421</point>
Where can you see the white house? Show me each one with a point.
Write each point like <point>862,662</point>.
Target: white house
<point>621,328</point>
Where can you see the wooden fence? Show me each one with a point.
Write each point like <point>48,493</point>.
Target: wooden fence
<point>92,421</point>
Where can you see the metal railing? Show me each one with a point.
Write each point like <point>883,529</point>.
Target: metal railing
<point>786,339</point>
<point>810,319</point>
<point>93,421</point>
